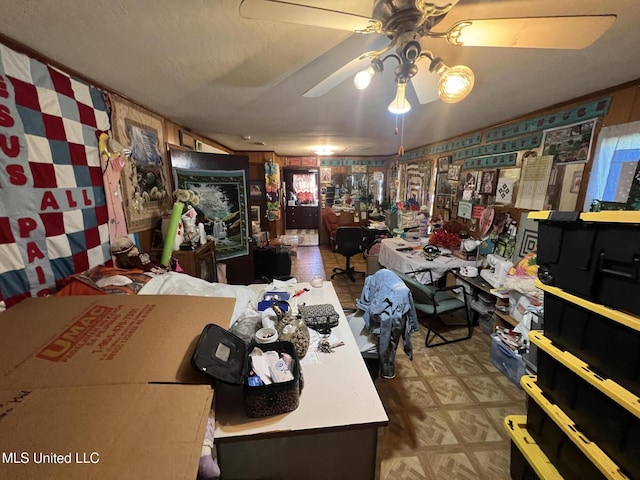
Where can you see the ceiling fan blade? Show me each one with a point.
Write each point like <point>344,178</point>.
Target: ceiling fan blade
<point>379,44</point>
<point>571,32</point>
<point>339,76</point>
<point>278,11</point>
<point>425,84</point>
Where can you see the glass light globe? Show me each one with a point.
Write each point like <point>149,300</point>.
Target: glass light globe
<point>363,78</point>
<point>455,84</point>
<point>400,104</point>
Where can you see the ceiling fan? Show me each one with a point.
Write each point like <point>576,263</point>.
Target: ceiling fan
<point>404,25</point>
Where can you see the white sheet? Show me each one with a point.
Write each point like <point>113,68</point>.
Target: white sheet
<point>173,283</point>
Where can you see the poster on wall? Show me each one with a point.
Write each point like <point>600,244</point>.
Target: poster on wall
<point>223,201</point>
<point>145,177</point>
<point>53,211</point>
<point>534,179</point>
<point>507,185</point>
<point>569,144</point>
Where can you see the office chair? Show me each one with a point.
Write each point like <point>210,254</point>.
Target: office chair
<point>348,243</point>
<point>436,302</point>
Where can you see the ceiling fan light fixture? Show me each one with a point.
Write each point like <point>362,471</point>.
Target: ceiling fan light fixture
<point>363,78</point>
<point>400,104</point>
<point>323,151</point>
<point>455,84</point>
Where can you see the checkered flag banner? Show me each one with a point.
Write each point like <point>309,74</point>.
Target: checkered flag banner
<point>53,211</point>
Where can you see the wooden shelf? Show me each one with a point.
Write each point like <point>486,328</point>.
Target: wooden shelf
<point>506,318</point>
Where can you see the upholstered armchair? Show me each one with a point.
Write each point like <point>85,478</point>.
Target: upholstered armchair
<point>331,223</point>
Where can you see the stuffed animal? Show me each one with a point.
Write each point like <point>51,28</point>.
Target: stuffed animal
<point>127,256</point>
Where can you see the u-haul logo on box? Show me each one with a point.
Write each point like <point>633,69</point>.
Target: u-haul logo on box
<point>69,341</point>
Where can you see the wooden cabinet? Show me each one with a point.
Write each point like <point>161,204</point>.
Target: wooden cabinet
<point>199,262</point>
<point>302,216</point>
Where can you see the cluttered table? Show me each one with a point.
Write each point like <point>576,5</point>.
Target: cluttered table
<point>333,432</point>
<point>406,256</point>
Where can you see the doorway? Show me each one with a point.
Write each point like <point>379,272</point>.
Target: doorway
<point>302,203</point>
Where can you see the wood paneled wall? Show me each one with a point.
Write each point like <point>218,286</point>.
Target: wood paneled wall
<point>624,108</point>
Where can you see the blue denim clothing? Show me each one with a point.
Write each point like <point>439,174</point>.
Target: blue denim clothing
<point>389,312</point>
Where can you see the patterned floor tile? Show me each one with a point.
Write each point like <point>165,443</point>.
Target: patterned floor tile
<point>494,464</point>
<point>405,468</point>
<point>484,359</point>
<point>464,364</point>
<point>405,368</point>
<point>431,365</point>
<point>433,428</point>
<point>450,391</point>
<point>413,393</point>
<point>497,414</point>
<point>474,425</point>
<point>514,391</point>
<point>399,436</point>
<point>485,388</point>
<point>452,466</point>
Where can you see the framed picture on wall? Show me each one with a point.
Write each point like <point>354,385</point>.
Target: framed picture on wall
<point>325,174</point>
<point>255,213</point>
<point>454,171</point>
<point>256,189</point>
<point>224,200</point>
<point>488,182</point>
<point>575,182</point>
<point>146,177</point>
<point>443,164</point>
<point>569,143</point>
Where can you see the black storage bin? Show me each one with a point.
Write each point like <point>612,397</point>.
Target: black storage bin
<point>519,468</point>
<point>271,262</point>
<point>528,461</point>
<point>561,451</point>
<point>223,356</point>
<point>593,255</point>
<point>610,346</point>
<point>614,428</point>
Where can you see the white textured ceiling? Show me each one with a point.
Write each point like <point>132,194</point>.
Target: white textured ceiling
<point>199,64</point>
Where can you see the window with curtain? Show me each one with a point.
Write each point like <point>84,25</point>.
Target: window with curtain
<point>615,163</point>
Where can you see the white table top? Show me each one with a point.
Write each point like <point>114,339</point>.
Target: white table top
<point>338,391</point>
<point>404,262</point>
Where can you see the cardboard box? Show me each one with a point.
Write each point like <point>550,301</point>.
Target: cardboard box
<point>101,386</point>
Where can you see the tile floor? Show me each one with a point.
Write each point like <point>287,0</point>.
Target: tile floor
<point>306,236</point>
<point>445,408</point>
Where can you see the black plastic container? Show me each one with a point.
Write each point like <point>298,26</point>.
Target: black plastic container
<point>597,411</point>
<point>528,461</point>
<point>561,451</point>
<point>609,342</point>
<point>593,255</point>
<point>519,468</point>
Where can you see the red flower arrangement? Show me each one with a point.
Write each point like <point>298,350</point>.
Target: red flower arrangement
<point>442,238</point>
